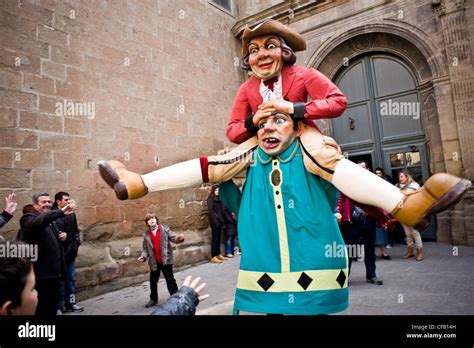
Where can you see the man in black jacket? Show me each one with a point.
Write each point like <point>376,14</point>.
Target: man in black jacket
<point>39,227</point>
<point>68,224</point>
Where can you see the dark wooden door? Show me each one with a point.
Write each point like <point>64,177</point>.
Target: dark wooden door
<point>382,122</point>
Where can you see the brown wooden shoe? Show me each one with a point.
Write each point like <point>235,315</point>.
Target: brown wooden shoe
<point>126,184</point>
<point>440,192</point>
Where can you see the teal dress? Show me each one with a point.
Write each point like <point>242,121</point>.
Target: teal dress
<point>293,256</point>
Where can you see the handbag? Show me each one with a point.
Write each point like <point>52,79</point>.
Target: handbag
<point>357,214</point>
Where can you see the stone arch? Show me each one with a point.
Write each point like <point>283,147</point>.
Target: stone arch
<point>409,44</point>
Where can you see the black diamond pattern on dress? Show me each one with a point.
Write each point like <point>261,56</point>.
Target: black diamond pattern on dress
<point>341,278</point>
<point>305,280</point>
<point>265,282</point>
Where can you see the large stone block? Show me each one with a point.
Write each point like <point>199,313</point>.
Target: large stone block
<point>91,254</point>
<point>26,159</point>
<point>8,118</point>
<point>191,255</point>
<point>81,127</point>
<point>109,213</point>
<point>126,248</point>
<point>458,232</point>
<point>135,213</point>
<point>10,79</point>
<point>41,122</point>
<point>36,13</point>
<point>86,277</point>
<point>38,84</point>
<point>23,44</point>
<point>18,100</point>
<point>86,216</point>
<point>53,70</point>
<point>100,232</point>
<point>6,158</point>
<point>107,271</point>
<point>15,178</point>
<point>47,178</point>
<point>132,267</point>
<point>63,55</point>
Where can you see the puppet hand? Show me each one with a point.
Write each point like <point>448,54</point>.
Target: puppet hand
<point>278,105</point>
<point>261,114</point>
<point>328,141</point>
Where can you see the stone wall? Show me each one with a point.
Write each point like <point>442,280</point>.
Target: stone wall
<point>155,80</point>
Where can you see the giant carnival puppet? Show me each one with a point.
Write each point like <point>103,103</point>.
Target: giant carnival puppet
<point>294,174</point>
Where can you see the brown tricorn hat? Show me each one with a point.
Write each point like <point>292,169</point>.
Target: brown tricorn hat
<point>271,26</point>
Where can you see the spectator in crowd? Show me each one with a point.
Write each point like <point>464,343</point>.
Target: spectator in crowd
<point>390,233</point>
<point>159,253</point>
<point>381,174</point>
<point>230,232</point>
<point>381,240</point>
<point>216,222</point>
<point>39,227</point>
<point>68,224</point>
<point>407,185</point>
<point>18,295</point>
<point>349,217</point>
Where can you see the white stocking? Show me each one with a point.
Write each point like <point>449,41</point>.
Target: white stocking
<point>363,186</point>
<point>177,176</point>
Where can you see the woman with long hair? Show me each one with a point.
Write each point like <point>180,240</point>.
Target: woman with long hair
<point>217,223</point>
<point>407,185</point>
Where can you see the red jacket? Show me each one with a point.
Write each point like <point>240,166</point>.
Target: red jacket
<point>344,207</point>
<point>327,101</point>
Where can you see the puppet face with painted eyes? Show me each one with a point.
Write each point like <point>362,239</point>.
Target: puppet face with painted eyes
<point>276,133</point>
<point>265,56</point>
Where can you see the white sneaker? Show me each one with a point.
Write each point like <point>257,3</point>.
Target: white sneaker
<point>59,312</point>
<point>388,246</point>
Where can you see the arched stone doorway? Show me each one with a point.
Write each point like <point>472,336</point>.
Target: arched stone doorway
<point>382,122</point>
<point>380,72</point>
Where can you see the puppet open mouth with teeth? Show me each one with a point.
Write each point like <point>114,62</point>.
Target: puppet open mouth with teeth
<point>270,143</point>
